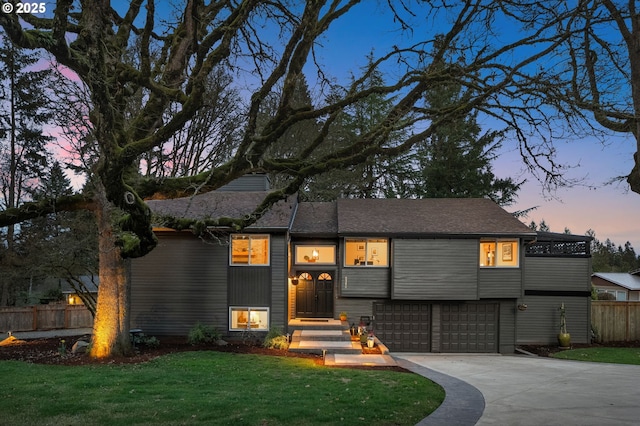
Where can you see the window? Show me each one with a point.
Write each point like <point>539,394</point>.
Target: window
<point>366,252</point>
<point>249,249</point>
<point>324,255</point>
<point>620,295</point>
<point>243,318</point>
<point>499,253</point>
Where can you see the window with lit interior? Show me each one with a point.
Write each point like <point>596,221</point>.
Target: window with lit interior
<point>499,254</point>
<point>318,254</point>
<point>366,252</point>
<point>248,318</point>
<point>249,249</point>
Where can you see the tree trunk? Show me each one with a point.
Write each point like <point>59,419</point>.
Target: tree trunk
<point>111,323</point>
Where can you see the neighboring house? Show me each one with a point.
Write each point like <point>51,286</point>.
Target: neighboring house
<point>624,286</point>
<point>435,275</point>
<point>86,283</point>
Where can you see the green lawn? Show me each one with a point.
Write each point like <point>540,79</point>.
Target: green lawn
<point>212,388</point>
<point>611,355</point>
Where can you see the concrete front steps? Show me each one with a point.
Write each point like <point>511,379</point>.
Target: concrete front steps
<point>322,337</point>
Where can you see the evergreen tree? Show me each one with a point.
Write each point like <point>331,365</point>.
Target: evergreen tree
<point>455,161</point>
<point>63,244</point>
<point>608,257</point>
<point>23,156</point>
<point>379,176</point>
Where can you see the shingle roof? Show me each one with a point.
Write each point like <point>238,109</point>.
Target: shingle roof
<point>316,219</point>
<point>628,281</point>
<point>433,216</point>
<point>390,216</point>
<point>214,205</point>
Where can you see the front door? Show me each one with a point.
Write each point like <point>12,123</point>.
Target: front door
<point>314,295</point>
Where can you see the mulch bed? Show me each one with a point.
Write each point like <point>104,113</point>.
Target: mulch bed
<point>547,351</point>
<point>49,351</point>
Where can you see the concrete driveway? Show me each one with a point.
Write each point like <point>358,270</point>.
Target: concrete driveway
<point>523,390</point>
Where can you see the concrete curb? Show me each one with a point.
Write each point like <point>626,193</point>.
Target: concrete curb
<point>463,404</point>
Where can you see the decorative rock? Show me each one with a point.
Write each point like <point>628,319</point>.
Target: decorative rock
<point>221,342</point>
<point>80,347</point>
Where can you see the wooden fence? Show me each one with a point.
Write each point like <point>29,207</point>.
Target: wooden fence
<point>615,321</point>
<point>44,317</point>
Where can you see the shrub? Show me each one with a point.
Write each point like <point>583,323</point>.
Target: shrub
<point>201,333</point>
<point>148,341</point>
<point>275,339</point>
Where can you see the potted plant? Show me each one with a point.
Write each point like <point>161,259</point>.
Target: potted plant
<point>564,338</point>
<point>343,316</point>
<point>370,340</point>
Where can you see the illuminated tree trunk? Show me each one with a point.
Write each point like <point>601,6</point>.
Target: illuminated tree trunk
<point>111,324</point>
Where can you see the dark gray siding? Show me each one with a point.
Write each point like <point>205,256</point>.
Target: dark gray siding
<point>499,282</point>
<point>549,282</point>
<point>429,269</point>
<point>250,286</point>
<point>355,308</point>
<point>557,273</point>
<point>181,282</point>
<point>540,323</point>
<point>364,282</point>
<point>507,336</point>
<point>279,281</point>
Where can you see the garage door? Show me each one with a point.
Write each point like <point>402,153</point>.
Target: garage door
<point>469,327</point>
<point>403,327</point>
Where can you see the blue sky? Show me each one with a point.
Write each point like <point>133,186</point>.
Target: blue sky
<point>610,210</point>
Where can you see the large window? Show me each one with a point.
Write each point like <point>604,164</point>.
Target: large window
<point>249,249</point>
<point>499,253</point>
<point>247,318</point>
<point>324,255</point>
<point>366,252</point>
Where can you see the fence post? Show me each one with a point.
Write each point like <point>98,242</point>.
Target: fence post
<point>34,323</point>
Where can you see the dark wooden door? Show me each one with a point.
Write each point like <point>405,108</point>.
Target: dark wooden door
<point>314,295</point>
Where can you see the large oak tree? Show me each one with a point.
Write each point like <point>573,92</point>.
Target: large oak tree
<point>270,43</point>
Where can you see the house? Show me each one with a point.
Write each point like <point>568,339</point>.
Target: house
<point>624,286</point>
<point>85,283</point>
<point>434,275</point>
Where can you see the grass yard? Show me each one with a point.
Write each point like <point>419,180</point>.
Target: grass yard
<point>601,354</point>
<point>212,388</point>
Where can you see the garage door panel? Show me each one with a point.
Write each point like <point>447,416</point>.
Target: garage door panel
<point>404,326</point>
<point>469,327</point>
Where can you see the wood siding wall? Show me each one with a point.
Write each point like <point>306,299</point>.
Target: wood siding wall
<point>279,281</point>
<point>182,282</point>
<point>426,269</point>
<point>507,337</point>
<point>557,273</point>
<point>499,282</point>
<point>549,282</point>
<point>250,286</point>
<point>540,323</point>
<point>364,282</point>
<point>355,308</point>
